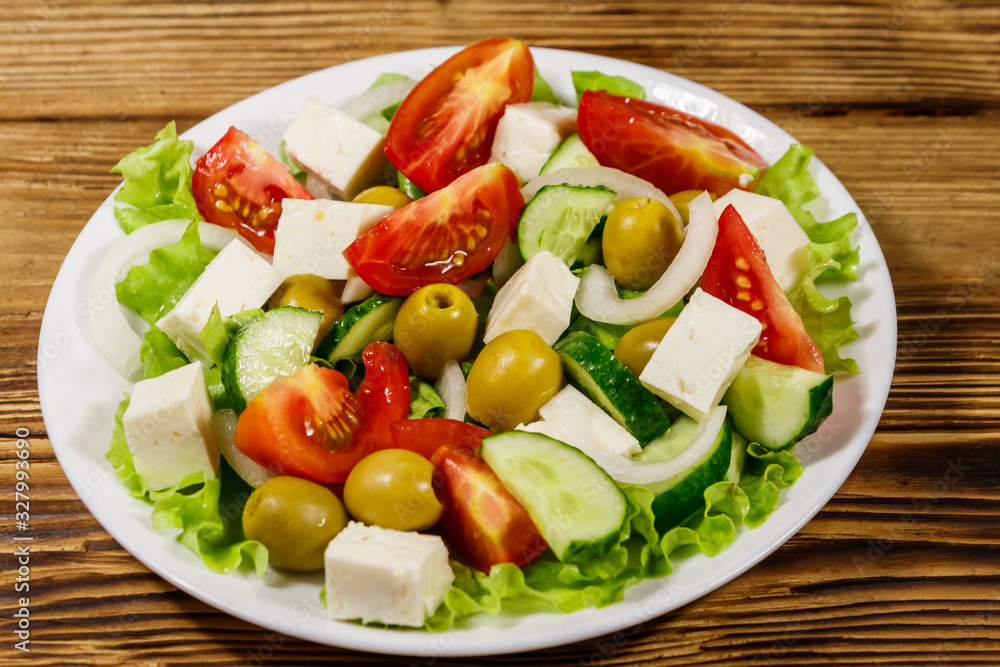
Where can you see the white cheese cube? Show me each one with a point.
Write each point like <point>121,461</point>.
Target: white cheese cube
<point>573,418</point>
<point>539,296</point>
<point>168,427</point>
<point>700,354</point>
<point>778,235</point>
<point>528,134</point>
<point>312,235</point>
<point>340,151</point>
<point>385,576</point>
<point>237,279</point>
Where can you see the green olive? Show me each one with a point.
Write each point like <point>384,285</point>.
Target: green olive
<point>641,238</point>
<point>312,293</point>
<point>435,325</point>
<point>384,195</point>
<point>682,199</point>
<point>514,375</point>
<point>393,488</point>
<point>295,519</point>
<point>638,344</point>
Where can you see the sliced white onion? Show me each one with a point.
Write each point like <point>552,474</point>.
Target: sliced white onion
<point>598,299</point>
<point>224,431</point>
<point>451,387</point>
<point>109,330</point>
<point>626,185</point>
<point>355,289</point>
<point>378,98</point>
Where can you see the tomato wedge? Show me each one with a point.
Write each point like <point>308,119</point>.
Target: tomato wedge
<point>445,237</point>
<point>426,436</point>
<point>445,126</point>
<point>237,184</point>
<point>309,425</point>
<point>737,273</point>
<point>671,149</point>
<point>482,520</point>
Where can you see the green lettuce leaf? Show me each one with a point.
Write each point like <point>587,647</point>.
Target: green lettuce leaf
<point>215,336</point>
<point>830,257</point>
<point>294,168</point>
<point>153,289</point>
<point>542,91</point>
<point>387,77</point>
<point>424,399</point>
<point>159,355</point>
<point>767,473</point>
<point>157,182</point>
<point>616,85</point>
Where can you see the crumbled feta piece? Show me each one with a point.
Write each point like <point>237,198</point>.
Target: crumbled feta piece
<point>340,151</point>
<point>385,576</point>
<point>237,279</point>
<point>573,418</point>
<point>700,354</point>
<point>528,134</point>
<point>539,296</point>
<point>168,427</point>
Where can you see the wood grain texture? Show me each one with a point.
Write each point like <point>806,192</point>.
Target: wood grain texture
<point>900,99</point>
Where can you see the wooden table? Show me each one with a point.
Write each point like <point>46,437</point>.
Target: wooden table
<point>900,99</point>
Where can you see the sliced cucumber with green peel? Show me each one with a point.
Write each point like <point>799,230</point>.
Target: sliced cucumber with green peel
<point>572,153</point>
<point>560,219</point>
<point>575,505</point>
<point>368,321</point>
<point>279,342</point>
<point>776,405</point>
<point>594,369</point>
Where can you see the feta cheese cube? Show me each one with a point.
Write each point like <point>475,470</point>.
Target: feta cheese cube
<point>700,354</point>
<point>385,576</point>
<point>528,134</point>
<point>340,151</point>
<point>539,296</point>
<point>312,234</point>
<point>168,427</point>
<point>778,234</point>
<point>573,418</point>
<point>236,279</point>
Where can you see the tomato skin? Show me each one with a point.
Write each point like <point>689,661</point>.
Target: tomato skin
<point>445,237</point>
<point>426,436</point>
<point>672,150</point>
<point>237,184</point>
<point>749,286</point>
<point>383,396</point>
<point>445,126</point>
<point>482,520</point>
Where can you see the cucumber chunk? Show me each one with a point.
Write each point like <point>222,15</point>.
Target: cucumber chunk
<point>776,405</point>
<point>575,505</point>
<point>276,343</point>
<point>560,219</point>
<point>368,321</point>
<point>596,371</point>
<point>572,153</point>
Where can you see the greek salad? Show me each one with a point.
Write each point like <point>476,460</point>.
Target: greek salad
<point>462,346</point>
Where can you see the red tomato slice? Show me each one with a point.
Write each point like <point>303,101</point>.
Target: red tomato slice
<point>309,425</point>
<point>671,149</point>
<point>482,520</point>
<point>237,184</point>
<point>445,126</point>
<point>737,273</point>
<point>444,237</point>
<point>425,436</point>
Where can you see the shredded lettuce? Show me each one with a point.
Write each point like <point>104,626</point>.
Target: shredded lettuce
<point>424,400</point>
<point>616,85</point>
<point>152,289</point>
<point>157,182</point>
<point>542,91</point>
<point>831,257</point>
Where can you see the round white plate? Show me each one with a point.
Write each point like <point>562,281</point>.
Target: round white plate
<point>79,392</point>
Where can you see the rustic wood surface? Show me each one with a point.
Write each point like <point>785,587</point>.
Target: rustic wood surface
<point>902,101</point>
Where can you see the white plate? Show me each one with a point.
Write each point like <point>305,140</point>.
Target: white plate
<point>79,392</point>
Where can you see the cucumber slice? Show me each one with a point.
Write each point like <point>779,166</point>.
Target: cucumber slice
<point>560,219</point>
<point>273,344</point>
<point>368,321</point>
<point>776,405</point>
<point>572,153</point>
<point>577,508</point>
<point>596,371</point>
